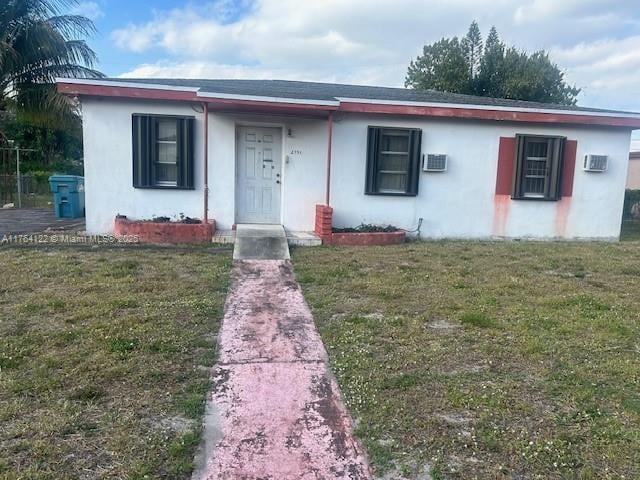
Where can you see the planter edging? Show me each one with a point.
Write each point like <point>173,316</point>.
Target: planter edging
<point>165,232</point>
<point>367,238</point>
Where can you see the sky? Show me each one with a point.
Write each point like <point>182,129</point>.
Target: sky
<point>596,42</point>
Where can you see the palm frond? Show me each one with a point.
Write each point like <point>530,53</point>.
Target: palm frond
<point>39,41</point>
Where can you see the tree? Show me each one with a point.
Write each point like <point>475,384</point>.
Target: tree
<point>472,46</point>
<point>38,43</point>
<point>490,70</point>
<point>489,81</point>
<point>442,66</point>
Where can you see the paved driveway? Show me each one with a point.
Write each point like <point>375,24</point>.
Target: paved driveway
<point>19,221</point>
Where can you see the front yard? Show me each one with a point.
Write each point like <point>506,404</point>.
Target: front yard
<point>485,360</point>
<point>103,359</point>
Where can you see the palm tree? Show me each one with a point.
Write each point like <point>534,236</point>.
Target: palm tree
<point>39,42</point>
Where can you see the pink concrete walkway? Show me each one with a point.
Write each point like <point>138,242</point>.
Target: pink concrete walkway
<point>278,406</point>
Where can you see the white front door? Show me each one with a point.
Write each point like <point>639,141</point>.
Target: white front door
<point>258,175</point>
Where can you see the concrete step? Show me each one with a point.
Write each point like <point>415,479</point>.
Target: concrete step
<point>260,242</point>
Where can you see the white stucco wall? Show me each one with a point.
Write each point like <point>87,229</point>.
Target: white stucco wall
<point>459,203</point>
<point>109,176</point>
<point>108,166</point>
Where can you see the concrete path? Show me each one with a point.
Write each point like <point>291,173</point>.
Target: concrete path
<point>260,242</point>
<point>276,411</point>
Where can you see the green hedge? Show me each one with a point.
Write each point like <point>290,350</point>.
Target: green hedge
<point>631,197</point>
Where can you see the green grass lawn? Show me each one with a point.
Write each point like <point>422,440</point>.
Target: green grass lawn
<point>103,356</point>
<point>485,360</point>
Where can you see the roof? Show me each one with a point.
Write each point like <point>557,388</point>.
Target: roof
<point>335,91</point>
<point>353,98</point>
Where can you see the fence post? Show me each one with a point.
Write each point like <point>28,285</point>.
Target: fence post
<point>18,178</point>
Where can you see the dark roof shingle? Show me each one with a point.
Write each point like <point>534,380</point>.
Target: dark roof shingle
<point>331,91</point>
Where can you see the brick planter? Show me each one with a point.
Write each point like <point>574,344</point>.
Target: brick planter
<point>368,238</point>
<point>165,232</point>
<point>324,229</point>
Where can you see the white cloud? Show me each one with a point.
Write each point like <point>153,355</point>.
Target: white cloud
<point>360,41</point>
<point>91,10</point>
<point>608,70</point>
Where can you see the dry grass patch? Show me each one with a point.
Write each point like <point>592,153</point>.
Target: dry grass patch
<point>472,360</point>
<point>99,356</point>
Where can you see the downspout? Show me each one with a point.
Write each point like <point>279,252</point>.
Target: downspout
<point>329,135</point>
<point>206,161</point>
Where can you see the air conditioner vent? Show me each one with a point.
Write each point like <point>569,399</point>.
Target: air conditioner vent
<point>595,163</point>
<point>435,163</point>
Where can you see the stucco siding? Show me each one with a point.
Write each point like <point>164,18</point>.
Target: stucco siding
<point>459,203</point>
<point>108,166</point>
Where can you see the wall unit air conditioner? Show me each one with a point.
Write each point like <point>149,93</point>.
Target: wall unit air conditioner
<point>595,163</point>
<point>435,162</point>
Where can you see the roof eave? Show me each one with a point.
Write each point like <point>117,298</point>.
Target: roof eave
<point>97,88</point>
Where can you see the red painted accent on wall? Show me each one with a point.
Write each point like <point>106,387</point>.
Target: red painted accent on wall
<point>214,103</point>
<point>563,207</point>
<point>163,233</point>
<point>569,167</point>
<point>125,92</point>
<point>488,114</point>
<point>501,204</point>
<point>506,159</point>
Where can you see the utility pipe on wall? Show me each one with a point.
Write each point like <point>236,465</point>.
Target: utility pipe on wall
<point>206,161</point>
<point>329,135</point>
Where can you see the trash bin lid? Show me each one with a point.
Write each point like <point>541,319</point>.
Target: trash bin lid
<point>66,178</point>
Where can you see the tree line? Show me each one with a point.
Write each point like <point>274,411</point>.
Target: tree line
<point>489,69</point>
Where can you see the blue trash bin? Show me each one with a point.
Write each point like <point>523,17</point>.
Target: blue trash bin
<point>68,195</point>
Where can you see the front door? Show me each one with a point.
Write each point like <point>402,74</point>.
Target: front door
<point>258,175</point>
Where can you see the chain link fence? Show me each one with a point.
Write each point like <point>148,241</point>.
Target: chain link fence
<point>20,190</point>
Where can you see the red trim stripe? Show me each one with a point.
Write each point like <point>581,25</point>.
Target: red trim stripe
<point>354,107</point>
<point>499,115</point>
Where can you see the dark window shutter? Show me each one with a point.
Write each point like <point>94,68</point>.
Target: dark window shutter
<point>506,160</point>
<point>555,169</point>
<point>569,167</point>
<point>142,131</point>
<point>373,148</point>
<point>518,168</point>
<point>415,146</point>
<point>185,153</point>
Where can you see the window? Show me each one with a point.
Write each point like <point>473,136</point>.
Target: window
<point>162,151</point>
<point>538,172</point>
<point>393,161</point>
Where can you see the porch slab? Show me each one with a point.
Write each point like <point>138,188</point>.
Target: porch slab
<point>303,239</point>
<point>295,238</point>
<point>260,242</point>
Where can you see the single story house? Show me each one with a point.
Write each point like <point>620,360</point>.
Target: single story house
<point>269,151</point>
